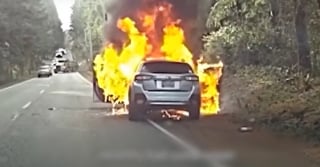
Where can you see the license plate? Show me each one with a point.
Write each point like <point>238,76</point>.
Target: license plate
<point>168,84</point>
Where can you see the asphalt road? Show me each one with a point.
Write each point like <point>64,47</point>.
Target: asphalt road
<point>53,122</point>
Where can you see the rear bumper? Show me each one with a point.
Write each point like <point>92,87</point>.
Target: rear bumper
<point>147,104</point>
<point>165,99</point>
<point>165,105</point>
<point>44,73</point>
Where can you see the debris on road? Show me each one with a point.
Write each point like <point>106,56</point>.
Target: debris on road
<point>51,109</point>
<point>246,129</point>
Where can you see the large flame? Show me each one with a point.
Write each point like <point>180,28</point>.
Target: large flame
<point>114,69</point>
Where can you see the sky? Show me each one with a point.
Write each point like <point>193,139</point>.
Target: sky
<point>64,8</point>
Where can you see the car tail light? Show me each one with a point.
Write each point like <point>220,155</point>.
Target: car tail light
<point>142,77</point>
<point>192,78</point>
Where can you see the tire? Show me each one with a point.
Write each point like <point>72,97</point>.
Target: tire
<point>39,76</point>
<point>136,113</point>
<point>99,92</point>
<point>194,113</point>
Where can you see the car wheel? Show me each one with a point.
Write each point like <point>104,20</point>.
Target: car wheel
<point>99,92</point>
<point>194,113</point>
<point>135,113</point>
<point>39,76</point>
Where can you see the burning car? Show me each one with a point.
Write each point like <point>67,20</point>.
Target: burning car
<point>154,33</point>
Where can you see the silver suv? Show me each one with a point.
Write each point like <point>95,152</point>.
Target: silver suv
<point>163,84</point>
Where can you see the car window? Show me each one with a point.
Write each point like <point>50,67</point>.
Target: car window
<point>44,67</point>
<point>167,67</point>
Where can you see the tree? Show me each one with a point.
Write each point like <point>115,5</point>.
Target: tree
<point>266,32</point>
<point>88,20</point>
<point>30,32</point>
<point>302,35</point>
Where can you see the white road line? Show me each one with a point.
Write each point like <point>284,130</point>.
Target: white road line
<point>15,116</point>
<point>42,91</point>
<point>15,85</point>
<point>26,105</point>
<point>84,79</point>
<point>179,141</point>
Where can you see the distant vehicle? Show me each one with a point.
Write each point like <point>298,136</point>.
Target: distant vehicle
<point>161,84</point>
<point>63,62</point>
<point>61,51</point>
<point>59,64</point>
<point>44,70</point>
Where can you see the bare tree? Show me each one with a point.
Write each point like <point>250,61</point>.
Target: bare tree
<point>302,35</point>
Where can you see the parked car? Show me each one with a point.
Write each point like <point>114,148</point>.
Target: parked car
<point>161,84</point>
<point>44,70</point>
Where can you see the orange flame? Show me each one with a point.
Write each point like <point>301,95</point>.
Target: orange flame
<point>114,70</point>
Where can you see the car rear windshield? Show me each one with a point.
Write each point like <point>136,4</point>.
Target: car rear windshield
<point>44,67</point>
<point>166,67</point>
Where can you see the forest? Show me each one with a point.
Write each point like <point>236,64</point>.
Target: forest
<point>30,33</point>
